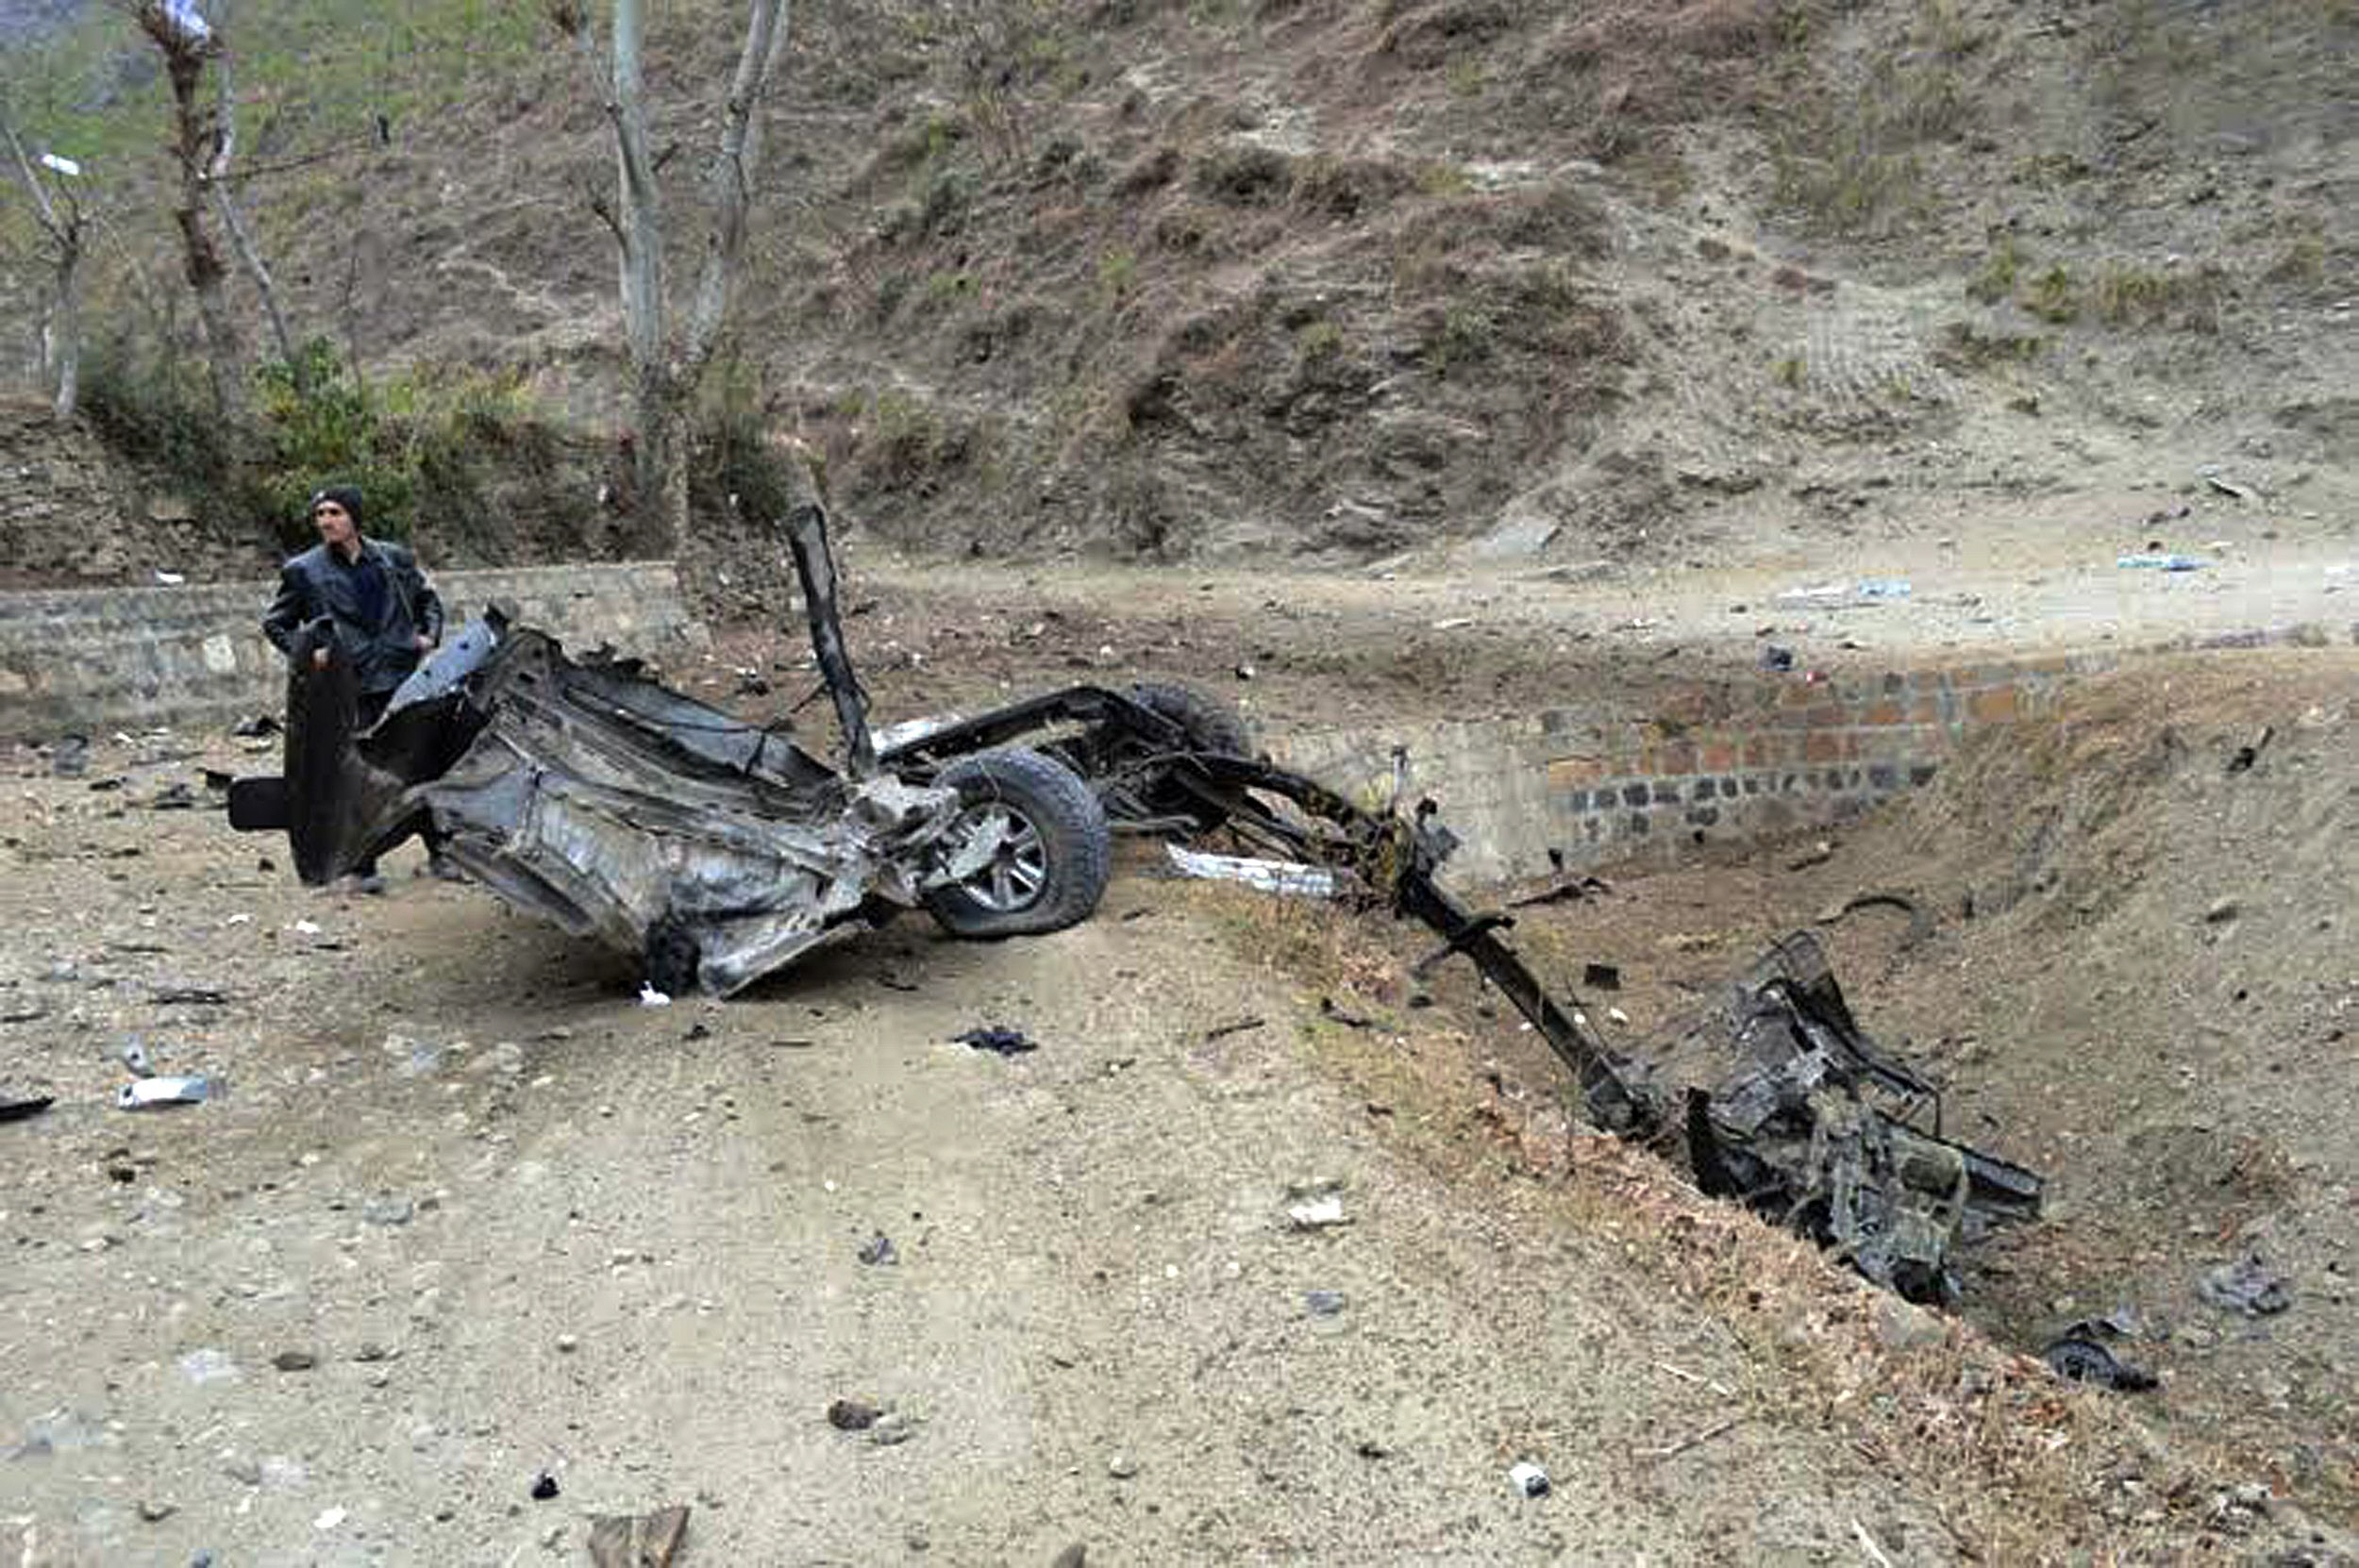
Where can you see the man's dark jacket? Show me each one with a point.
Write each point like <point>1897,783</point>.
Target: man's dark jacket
<point>319,582</point>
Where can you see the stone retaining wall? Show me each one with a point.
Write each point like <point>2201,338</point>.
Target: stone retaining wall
<point>93,661</point>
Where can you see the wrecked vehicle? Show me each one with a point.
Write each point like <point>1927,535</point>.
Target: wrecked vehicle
<point>717,850</point>
<point>712,849</point>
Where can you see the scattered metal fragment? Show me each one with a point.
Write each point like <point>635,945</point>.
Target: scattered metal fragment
<point>544,1487</point>
<point>1792,1109</point>
<point>1920,921</point>
<point>1563,890</point>
<point>1600,977</point>
<point>1269,876</point>
<point>1323,1304</point>
<point>2247,1286</point>
<point>2246,756</point>
<point>2082,1359</point>
<point>15,1108</point>
<point>1006,1043</point>
<point>200,996</point>
<point>150,1093</point>
<point>878,1250</point>
<point>1320,1214</point>
<point>638,1540</point>
<point>1222,1031</point>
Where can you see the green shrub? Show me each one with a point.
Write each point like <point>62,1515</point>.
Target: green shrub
<point>2049,297</point>
<point>422,443</point>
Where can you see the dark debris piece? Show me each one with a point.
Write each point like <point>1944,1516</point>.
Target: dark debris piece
<point>2247,1286</point>
<point>2080,1360</point>
<point>14,1108</point>
<point>852,1415</point>
<point>544,1487</point>
<point>1006,1043</point>
<point>878,1250</point>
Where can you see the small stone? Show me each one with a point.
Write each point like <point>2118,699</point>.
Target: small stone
<point>243,1468</point>
<point>208,1366</point>
<point>852,1415</point>
<point>389,1210</point>
<point>1075,1555</point>
<point>294,1360</point>
<point>372,1351</point>
<point>891,1429</point>
<point>1900,1325</point>
<point>155,1512</point>
<point>2221,910</point>
<point>1323,1304</point>
<point>567,1345</point>
<point>1122,1467</point>
<point>878,1250</point>
<point>544,1487</point>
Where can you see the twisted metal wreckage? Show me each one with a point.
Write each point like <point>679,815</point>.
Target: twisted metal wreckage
<point>716,850</point>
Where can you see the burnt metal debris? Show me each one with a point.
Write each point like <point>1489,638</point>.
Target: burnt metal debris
<point>717,850</point>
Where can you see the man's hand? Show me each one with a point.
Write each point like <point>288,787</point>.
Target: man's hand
<point>423,641</point>
<point>319,659</point>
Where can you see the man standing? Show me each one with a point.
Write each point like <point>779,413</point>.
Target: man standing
<point>383,613</point>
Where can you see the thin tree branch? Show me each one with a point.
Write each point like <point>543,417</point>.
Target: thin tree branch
<point>730,178</point>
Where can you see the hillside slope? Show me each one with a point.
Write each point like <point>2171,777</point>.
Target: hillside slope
<point>1352,278</point>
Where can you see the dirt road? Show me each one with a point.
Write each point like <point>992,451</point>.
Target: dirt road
<point>526,1226</point>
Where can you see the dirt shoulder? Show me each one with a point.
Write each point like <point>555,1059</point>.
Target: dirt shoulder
<point>1435,637</point>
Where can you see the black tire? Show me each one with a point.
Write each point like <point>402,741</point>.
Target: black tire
<point>1210,724</point>
<point>1054,859</point>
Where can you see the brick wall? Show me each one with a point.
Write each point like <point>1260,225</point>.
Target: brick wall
<point>91,661</point>
<point>1713,762</point>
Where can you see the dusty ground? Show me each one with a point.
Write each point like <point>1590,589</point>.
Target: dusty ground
<point>526,1226</point>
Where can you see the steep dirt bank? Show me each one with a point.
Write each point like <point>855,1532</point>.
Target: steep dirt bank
<point>2137,979</point>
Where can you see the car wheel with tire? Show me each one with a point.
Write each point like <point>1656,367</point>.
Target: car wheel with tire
<point>1210,723</point>
<point>1051,851</point>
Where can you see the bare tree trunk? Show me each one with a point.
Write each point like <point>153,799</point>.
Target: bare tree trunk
<point>668,361</point>
<point>638,230</point>
<point>193,149</point>
<point>67,224</point>
<point>66,344</point>
<point>241,238</point>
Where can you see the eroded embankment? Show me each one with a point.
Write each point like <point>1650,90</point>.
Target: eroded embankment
<point>2131,968</point>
